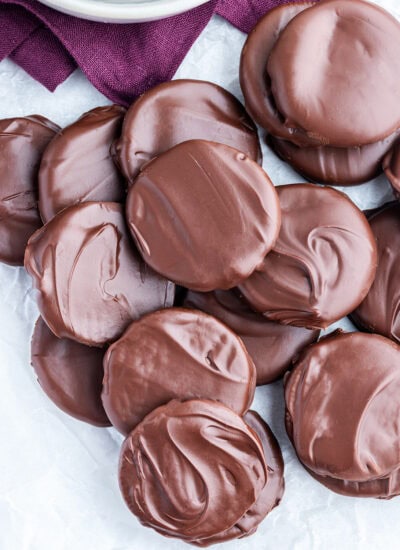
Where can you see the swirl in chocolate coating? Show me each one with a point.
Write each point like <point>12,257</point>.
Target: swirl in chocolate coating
<point>178,111</point>
<point>391,166</point>
<point>380,310</point>
<point>343,405</point>
<point>175,354</point>
<point>22,142</point>
<point>91,280</point>
<point>210,201</point>
<point>323,263</point>
<point>269,497</point>
<point>272,346</point>
<point>77,165</point>
<point>348,95</point>
<point>192,469</point>
<point>70,374</point>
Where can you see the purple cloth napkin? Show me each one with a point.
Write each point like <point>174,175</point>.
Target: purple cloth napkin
<point>122,61</point>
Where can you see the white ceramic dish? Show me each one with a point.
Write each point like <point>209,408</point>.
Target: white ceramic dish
<point>120,11</point>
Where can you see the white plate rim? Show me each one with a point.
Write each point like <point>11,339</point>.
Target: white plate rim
<point>123,12</point>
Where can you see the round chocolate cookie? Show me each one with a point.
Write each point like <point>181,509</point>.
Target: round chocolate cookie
<point>70,374</point>
<point>391,166</point>
<point>273,490</point>
<point>175,354</point>
<point>77,165</point>
<point>192,469</point>
<point>348,95</point>
<point>334,165</point>
<point>92,282</point>
<point>178,111</point>
<point>254,80</point>
<point>204,215</point>
<point>272,346</point>
<point>343,407</point>
<point>380,310</point>
<point>22,142</point>
<point>323,263</point>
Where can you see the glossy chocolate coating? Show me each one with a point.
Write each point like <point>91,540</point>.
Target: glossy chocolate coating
<point>348,95</point>
<point>175,354</point>
<point>272,346</point>
<point>22,142</point>
<point>191,470</point>
<point>334,165</point>
<point>391,166</point>
<point>380,310</point>
<point>209,202</point>
<point>254,80</point>
<point>343,406</point>
<point>77,165</point>
<point>178,111</point>
<point>323,263</point>
<point>70,374</point>
<point>269,497</point>
<point>92,282</point>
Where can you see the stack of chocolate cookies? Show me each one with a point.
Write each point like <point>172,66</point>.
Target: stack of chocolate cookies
<point>173,277</point>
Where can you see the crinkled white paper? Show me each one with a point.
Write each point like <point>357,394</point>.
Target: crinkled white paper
<point>58,476</point>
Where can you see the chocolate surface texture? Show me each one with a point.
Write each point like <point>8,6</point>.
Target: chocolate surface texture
<point>272,346</point>
<point>175,354</point>
<point>70,374</point>
<point>77,165</point>
<point>323,263</point>
<point>22,142</point>
<point>380,310</point>
<point>178,111</point>
<point>314,156</point>
<point>391,166</point>
<point>91,280</point>
<point>343,406</point>
<point>209,202</point>
<point>182,465</point>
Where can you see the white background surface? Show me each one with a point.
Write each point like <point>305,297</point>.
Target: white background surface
<point>58,476</point>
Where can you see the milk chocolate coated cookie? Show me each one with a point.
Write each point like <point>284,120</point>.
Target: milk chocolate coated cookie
<point>391,166</point>
<point>380,310</point>
<point>22,142</point>
<point>70,374</point>
<point>334,165</point>
<point>271,345</point>
<point>254,79</point>
<point>178,111</point>
<point>208,203</point>
<point>175,354</point>
<point>269,497</point>
<point>348,95</point>
<point>92,282</point>
<point>343,406</point>
<point>323,263</point>
<point>185,462</point>
<point>77,165</point>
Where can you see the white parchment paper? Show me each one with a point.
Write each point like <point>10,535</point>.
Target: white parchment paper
<point>58,476</point>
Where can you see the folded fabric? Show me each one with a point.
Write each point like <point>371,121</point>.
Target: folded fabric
<point>122,61</point>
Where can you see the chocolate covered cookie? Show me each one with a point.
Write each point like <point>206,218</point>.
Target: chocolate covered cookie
<point>77,165</point>
<point>272,346</point>
<point>91,280</point>
<point>203,215</point>
<point>380,310</point>
<point>343,405</point>
<point>22,142</point>
<point>175,354</point>
<point>391,166</point>
<point>70,374</point>
<point>185,462</point>
<point>178,111</point>
<point>323,263</point>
